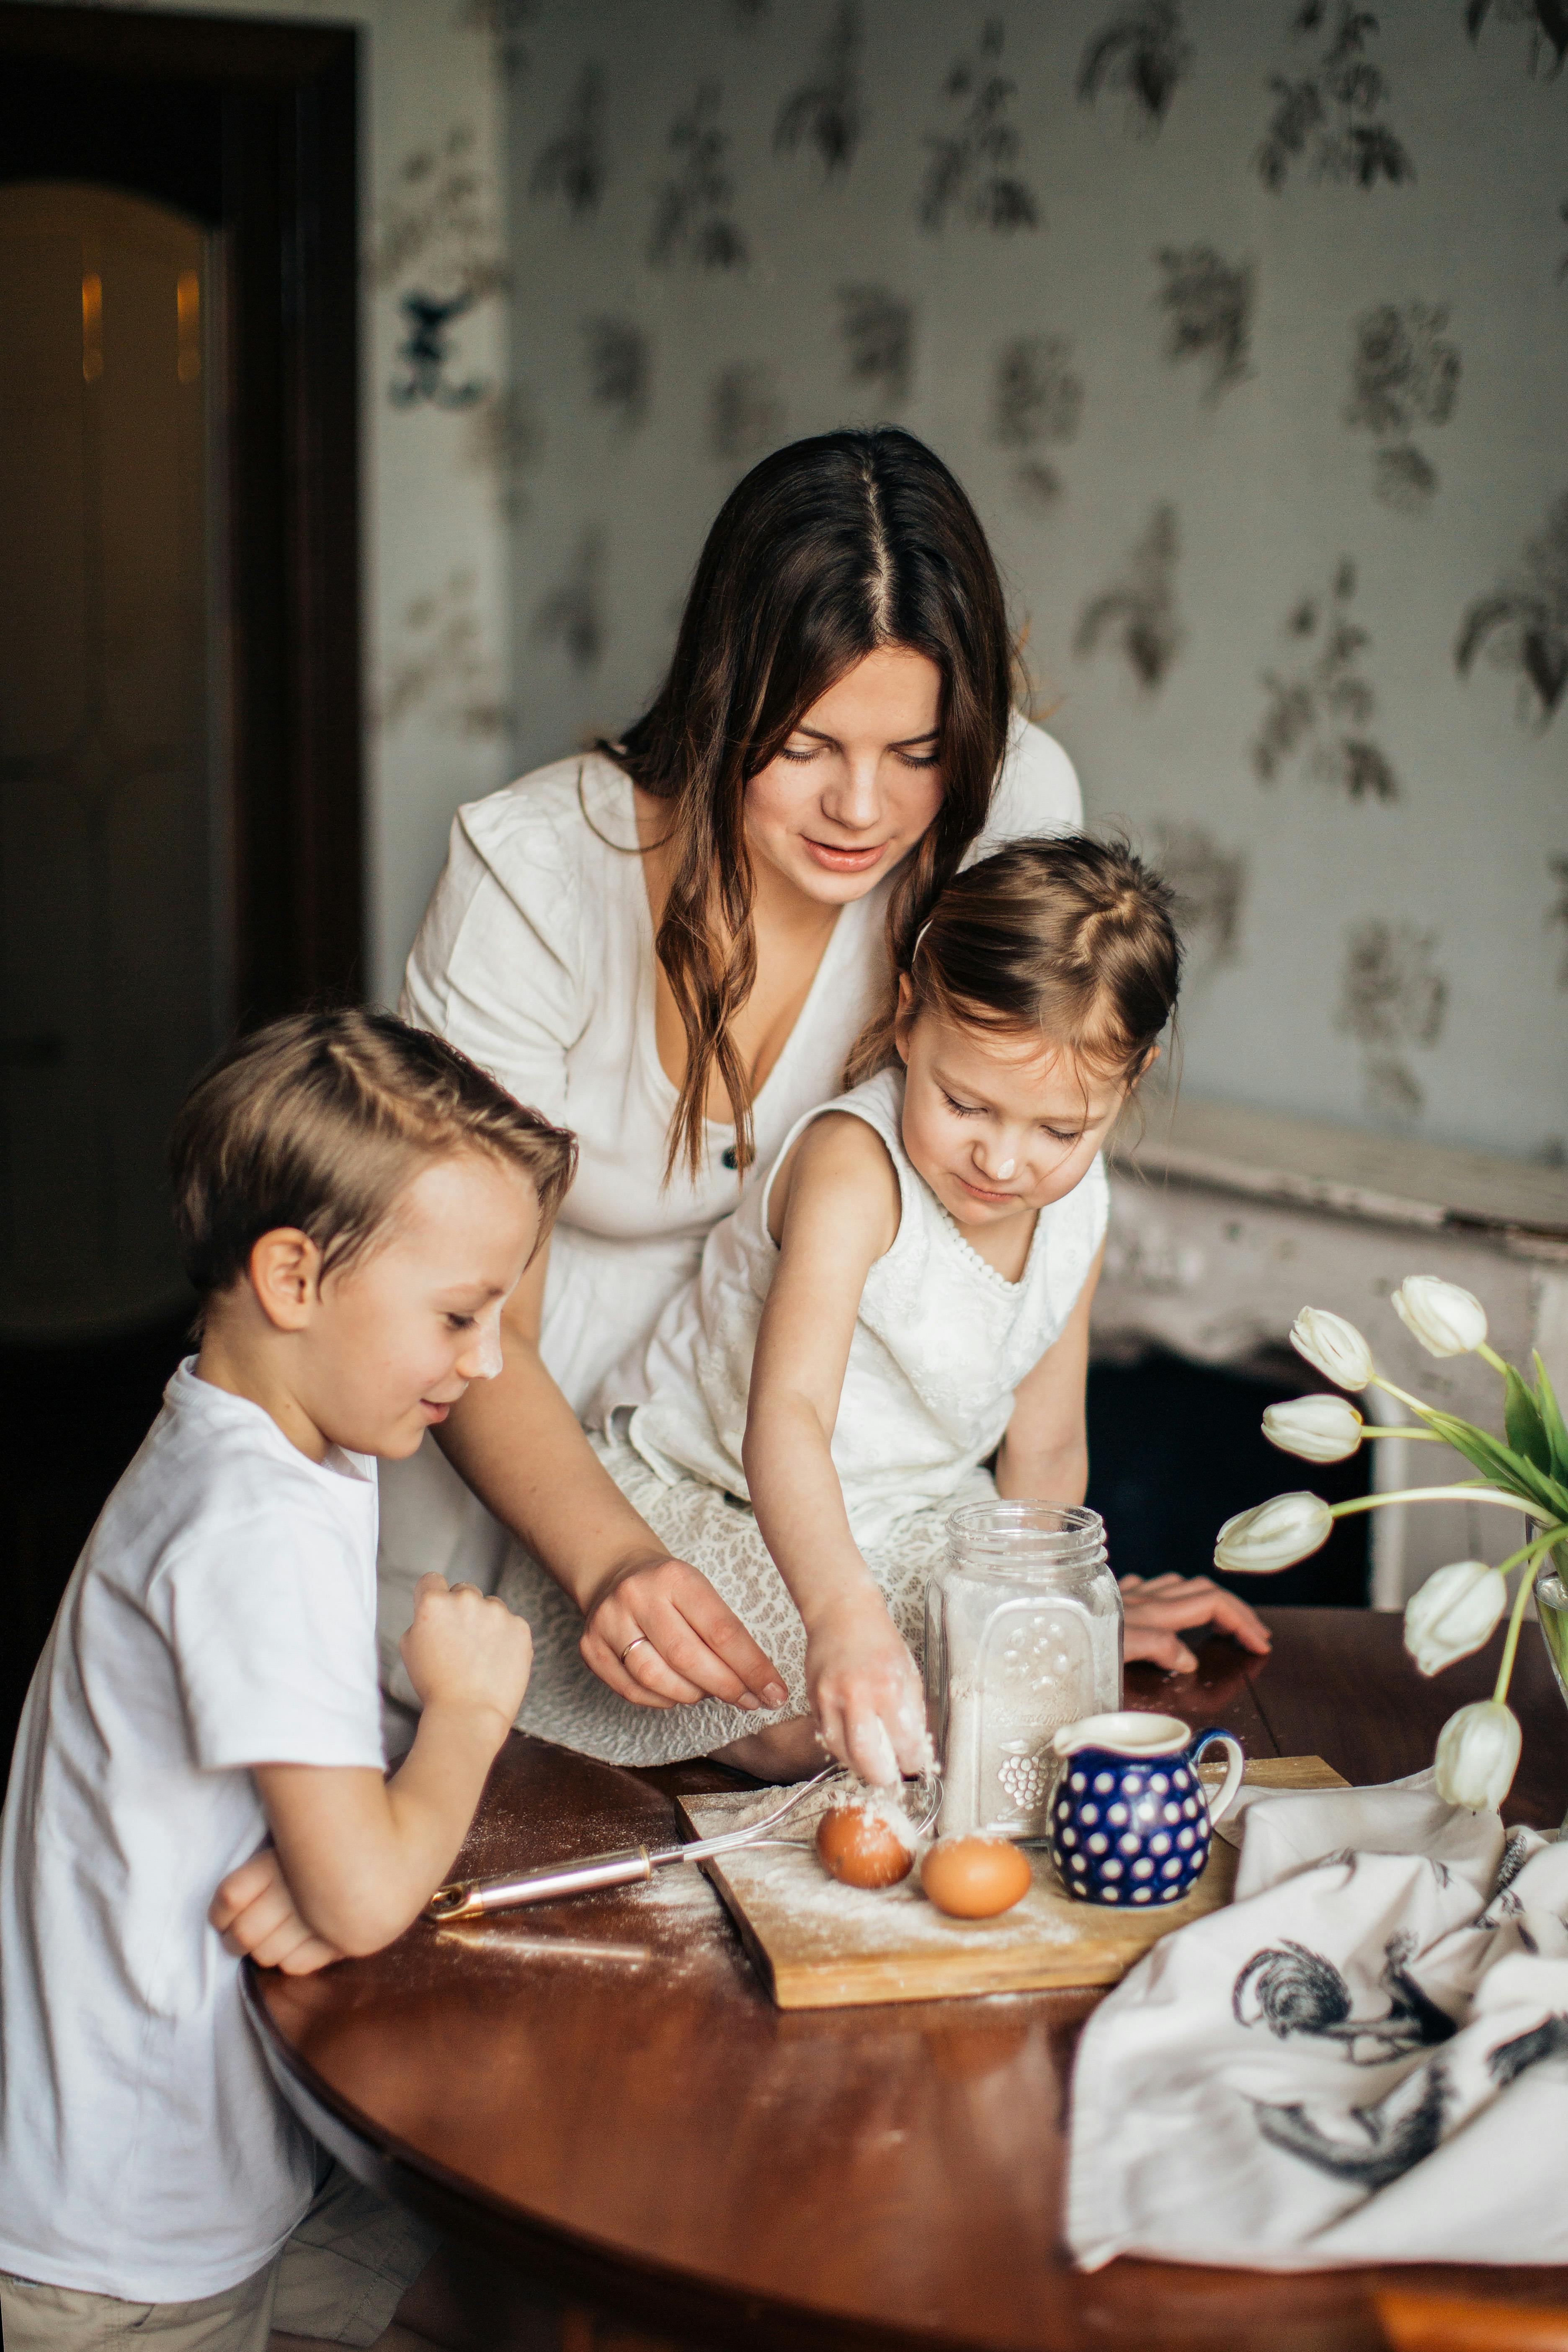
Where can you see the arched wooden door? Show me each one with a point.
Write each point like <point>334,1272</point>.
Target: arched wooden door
<point>114,985</point>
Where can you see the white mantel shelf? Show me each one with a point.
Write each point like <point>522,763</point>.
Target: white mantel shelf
<point>1224,1221</point>
<point>1385,1179</point>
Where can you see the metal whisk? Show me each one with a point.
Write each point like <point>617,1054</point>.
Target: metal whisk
<point>630,1865</point>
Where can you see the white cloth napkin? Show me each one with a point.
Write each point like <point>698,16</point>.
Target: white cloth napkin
<point>1362,2059</point>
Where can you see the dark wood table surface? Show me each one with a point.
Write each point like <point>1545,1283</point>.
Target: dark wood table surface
<point>602,2090</point>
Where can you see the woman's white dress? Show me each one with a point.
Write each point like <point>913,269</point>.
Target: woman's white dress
<point>536,957</point>
<point>940,1342</point>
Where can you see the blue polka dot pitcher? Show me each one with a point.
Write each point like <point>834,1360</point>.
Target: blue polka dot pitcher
<point>1129,1820</point>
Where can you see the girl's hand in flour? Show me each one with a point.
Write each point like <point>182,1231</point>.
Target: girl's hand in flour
<point>864,1689</point>
<point>254,1913</point>
<point>1158,1610</point>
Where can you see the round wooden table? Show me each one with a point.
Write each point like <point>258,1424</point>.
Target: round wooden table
<point>602,2090</point>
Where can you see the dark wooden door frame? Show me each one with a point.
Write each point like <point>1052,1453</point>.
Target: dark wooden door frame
<point>250,125</point>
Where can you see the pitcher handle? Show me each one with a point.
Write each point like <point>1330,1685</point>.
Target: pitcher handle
<point>1235,1765</point>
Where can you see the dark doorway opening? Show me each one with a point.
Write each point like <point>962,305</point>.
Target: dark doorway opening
<point>239,137</point>
<point>1175,1449</point>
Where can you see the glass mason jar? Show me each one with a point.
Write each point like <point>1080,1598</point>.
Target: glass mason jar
<point>1022,1634</point>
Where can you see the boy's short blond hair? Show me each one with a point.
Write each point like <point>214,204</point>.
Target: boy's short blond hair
<point>320,1121</point>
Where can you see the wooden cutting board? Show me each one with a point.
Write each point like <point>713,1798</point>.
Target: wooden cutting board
<point>818,1945</point>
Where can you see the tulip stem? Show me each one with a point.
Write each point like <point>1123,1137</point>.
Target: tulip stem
<point>1389,1429</point>
<point>1415,1403</point>
<point>1440,1495</point>
<point>1490,1355</point>
<point>1516,1616</point>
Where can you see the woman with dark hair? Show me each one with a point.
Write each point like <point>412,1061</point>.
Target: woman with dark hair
<point>671,945</point>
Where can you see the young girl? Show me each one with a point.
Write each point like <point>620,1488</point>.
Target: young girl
<point>904,1295</point>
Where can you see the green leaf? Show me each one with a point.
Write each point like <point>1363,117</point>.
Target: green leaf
<point>1552,1423</point>
<point>1521,1419</point>
<point>1504,1467</point>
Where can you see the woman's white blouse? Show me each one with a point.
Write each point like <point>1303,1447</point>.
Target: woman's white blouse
<point>536,957</point>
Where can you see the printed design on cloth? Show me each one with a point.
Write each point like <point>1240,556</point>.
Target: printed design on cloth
<point>1400,2130</point>
<point>1405,2125</point>
<point>1293,1991</point>
<point>1357,2060</point>
<point>1505,1904</point>
<point>1510,2060</point>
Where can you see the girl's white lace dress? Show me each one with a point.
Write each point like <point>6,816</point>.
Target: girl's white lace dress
<point>941,1343</point>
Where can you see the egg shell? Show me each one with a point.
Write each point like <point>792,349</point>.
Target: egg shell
<point>974,1877</point>
<point>854,1846</point>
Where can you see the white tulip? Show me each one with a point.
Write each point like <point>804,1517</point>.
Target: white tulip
<point>1453,1614</point>
<point>1478,1755</point>
<point>1332,1347</point>
<point>1273,1535</point>
<point>1316,1428</point>
<point>1446,1321</point>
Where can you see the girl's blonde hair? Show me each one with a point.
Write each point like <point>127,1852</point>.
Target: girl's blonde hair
<point>1071,937</point>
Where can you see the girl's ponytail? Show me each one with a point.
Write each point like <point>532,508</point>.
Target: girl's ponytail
<point>1065,936</point>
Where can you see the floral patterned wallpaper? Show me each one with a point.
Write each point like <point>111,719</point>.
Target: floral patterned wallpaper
<point>1246,323</point>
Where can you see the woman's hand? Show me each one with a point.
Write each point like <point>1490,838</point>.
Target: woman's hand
<point>660,1634</point>
<point>1158,1609</point>
<point>864,1690</point>
<point>521,1447</point>
<point>254,1913</point>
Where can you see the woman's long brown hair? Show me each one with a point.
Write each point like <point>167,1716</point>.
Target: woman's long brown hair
<point>826,552</point>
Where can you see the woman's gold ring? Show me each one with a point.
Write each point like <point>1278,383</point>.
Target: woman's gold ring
<point>631,1645</point>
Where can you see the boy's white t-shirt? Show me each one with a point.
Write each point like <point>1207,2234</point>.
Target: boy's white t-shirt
<point>223,1615</point>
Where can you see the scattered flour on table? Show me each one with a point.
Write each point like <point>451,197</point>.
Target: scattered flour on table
<point>899,1919</point>
<point>494,1938</point>
<point>782,1878</point>
<point>680,1887</point>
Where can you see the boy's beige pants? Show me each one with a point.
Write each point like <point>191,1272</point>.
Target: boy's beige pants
<point>342,2275</point>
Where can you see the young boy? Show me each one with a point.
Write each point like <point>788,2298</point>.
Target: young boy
<point>355,1202</point>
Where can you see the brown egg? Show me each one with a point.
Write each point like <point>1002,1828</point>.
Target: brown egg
<point>974,1877</point>
<point>854,1845</point>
